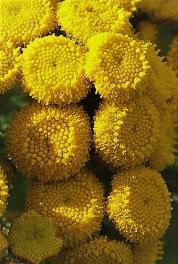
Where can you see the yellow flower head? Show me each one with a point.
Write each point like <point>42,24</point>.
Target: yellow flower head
<point>98,251</point>
<point>172,56</point>
<point>116,64</point>
<point>76,205</point>
<point>148,31</point>
<point>49,143</point>
<point>22,21</point>
<point>53,70</point>
<point>9,65</point>
<point>83,19</point>
<point>3,245</point>
<point>139,204</point>
<point>148,252</point>
<point>33,237</point>
<point>126,135</point>
<point>3,191</point>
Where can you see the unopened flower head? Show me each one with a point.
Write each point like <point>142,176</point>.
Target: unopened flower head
<point>33,237</point>
<point>22,21</point>
<point>53,70</point>
<point>99,251</point>
<point>76,205</point>
<point>49,143</point>
<point>83,19</point>
<point>117,65</point>
<point>140,204</point>
<point>126,135</point>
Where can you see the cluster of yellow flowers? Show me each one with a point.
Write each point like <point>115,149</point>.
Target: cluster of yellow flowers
<point>50,140</point>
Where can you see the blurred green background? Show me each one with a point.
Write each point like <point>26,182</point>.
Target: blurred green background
<point>15,99</point>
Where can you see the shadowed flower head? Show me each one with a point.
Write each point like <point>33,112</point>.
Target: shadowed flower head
<point>33,237</point>
<point>22,21</point>
<point>139,204</point>
<point>83,19</point>
<point>53,70</point>
<point>49,143</point>
<point>148,252</point>
<point>3,245</point>
<point>172,56</point>
<point>76,205</point>
<point>98,251</point>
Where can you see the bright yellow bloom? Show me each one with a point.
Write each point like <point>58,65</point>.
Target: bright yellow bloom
<point>76,205</point>
<point>3,191</point>
<point>3,245</point>
<point>9,64</point>
<point>148,31</point>
<point>100,250</point>
<point>53,70</point>
<point>49,143</point>
<point>83,19</point>
<point>22,21</point>
<point>148,252</point>
<point>117,65</point>
<point>172,56</point>
<point>33,237</point>
<point>126,135</point>
<point>139,204</point>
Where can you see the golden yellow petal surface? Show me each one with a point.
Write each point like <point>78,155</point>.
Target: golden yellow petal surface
<point>53,70</point>
<point>83,19</point>
<point>140,204</point>
<point>99,251</point>
<point>117,65</point>
<point>3,245</point>
<point>126,135</point>
<point>33,237</point>
<point>22,21</point>
<point>148,253</point>
<point>3,191</point>
<point>9,65</point>
<point>49,143</point>
<point>76,205</point>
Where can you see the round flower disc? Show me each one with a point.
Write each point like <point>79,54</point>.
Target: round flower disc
<point>76,205</point>
<point>33,237</point>
<point>126,135</point>
<point>99,251</point>
<point>53,70</point>
<point>140,204</point>
<point>83,19</point>
<point>22,21</point>
<point>117,65</point>
<point>49,143</point>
